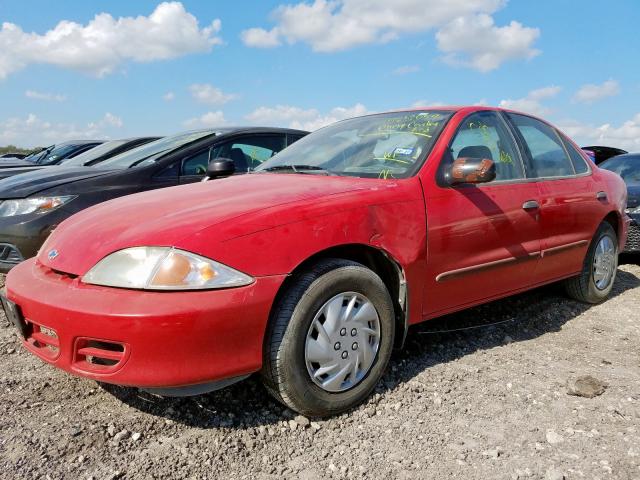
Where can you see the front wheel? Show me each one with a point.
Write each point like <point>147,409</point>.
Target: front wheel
<point>595,282</point>
<point>330,338</point>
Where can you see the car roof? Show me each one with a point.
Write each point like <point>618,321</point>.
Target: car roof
<point>254,129</point>
<point>78,142</point>
<point>627,155</point>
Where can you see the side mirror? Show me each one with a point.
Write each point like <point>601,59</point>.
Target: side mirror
<point>472,170</point>
<point>220,168</point>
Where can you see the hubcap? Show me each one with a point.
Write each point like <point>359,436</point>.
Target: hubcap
<point>334,361</point>
<point>604,262</point>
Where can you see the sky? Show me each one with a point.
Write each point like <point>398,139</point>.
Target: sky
<point>114,69</point>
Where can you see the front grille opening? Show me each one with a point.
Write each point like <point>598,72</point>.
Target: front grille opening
<point>64,274</point>
<point>44,339</point>
<point>10,253</point>
<point>98,355</point>
<point>633,238</point>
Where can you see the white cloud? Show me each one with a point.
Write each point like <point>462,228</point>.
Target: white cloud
<point>48,97</point>
<point>590,93</point>
<point>208,94</point>
<point>109,119</point>
<point>304,119</point>
<point>104,43</point>
<point>406,69</point>
<point>259,38</point>
<point>468,35</point>
<point>206,120</point>
<point>476,42</point>
<point>169,96</point>
<point>426,103</point>
<point>32,131</point>
<point>625,135</point>
<point>532,103</point>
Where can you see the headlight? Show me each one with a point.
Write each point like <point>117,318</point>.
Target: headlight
<point>22,206</point>
<point>163,268</point>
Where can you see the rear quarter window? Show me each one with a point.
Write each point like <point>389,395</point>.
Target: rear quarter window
<point>579,163</point>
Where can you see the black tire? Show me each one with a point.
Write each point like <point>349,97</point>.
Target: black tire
<point>583,287</point>
<point>285,372</point>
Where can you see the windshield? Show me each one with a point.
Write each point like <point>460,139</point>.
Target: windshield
<point>388,145</point>
<point>94,153</point>
<point>628,167</point>
<point>33,158</point>
<point>56,154</point>
<point>149,153</point>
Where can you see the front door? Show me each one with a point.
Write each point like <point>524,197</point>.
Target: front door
<point>484,239</point>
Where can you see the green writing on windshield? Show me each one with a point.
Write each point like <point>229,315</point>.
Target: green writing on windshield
<point>423,124</point>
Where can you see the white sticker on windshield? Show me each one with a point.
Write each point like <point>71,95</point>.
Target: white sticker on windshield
<point>403,151</point>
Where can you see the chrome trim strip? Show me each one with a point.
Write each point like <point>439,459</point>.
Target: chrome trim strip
<point>566,246</point>
<point>505,261</point>
<point>483,266</point>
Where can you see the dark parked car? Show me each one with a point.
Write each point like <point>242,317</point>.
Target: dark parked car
<point>33,204</point>
<point>628,167</point>
<point>87,158</point>
<point>600,154</point>
<point>53,154</point>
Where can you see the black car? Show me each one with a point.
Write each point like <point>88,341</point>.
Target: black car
<point>52,155</point>
<point>628,167</point>
<point>86,158</point>
<point>33,204</point>
<point>600,154</point>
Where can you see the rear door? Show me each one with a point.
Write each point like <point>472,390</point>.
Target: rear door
<point>569,207</point>
<point>484,239</point>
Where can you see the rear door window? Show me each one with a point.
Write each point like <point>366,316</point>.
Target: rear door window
<point>547,155</point>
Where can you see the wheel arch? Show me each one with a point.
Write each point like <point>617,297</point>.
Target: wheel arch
<point>379,261</point>
<point>615,220</point>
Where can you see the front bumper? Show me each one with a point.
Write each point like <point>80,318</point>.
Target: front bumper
<point>141,338</point>
<point>633,235</point>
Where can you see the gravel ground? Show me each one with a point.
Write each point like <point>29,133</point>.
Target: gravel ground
<point>482,403</point>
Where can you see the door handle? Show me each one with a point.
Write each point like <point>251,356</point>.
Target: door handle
<point>602,196</point>
<point>530,205</point>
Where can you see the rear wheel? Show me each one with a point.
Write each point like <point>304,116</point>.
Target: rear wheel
<point>595,282</point>
<point>330,338</point>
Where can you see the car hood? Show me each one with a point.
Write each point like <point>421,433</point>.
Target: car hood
<point>27,184</point>
<point>14,162</point>
<point>165,216</point>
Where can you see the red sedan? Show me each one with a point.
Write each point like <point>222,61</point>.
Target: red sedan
<point>312,268</point>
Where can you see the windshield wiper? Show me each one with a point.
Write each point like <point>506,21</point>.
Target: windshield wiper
<point>305,169</point>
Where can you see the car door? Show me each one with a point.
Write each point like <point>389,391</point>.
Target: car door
<point>569,205</point>
<point>483,239</point>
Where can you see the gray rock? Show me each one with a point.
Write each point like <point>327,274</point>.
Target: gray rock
<point>121,435</point>
<point>554,473</point>
<point>586,386</point>
<point>553,437</point>
<point>302,421</point>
